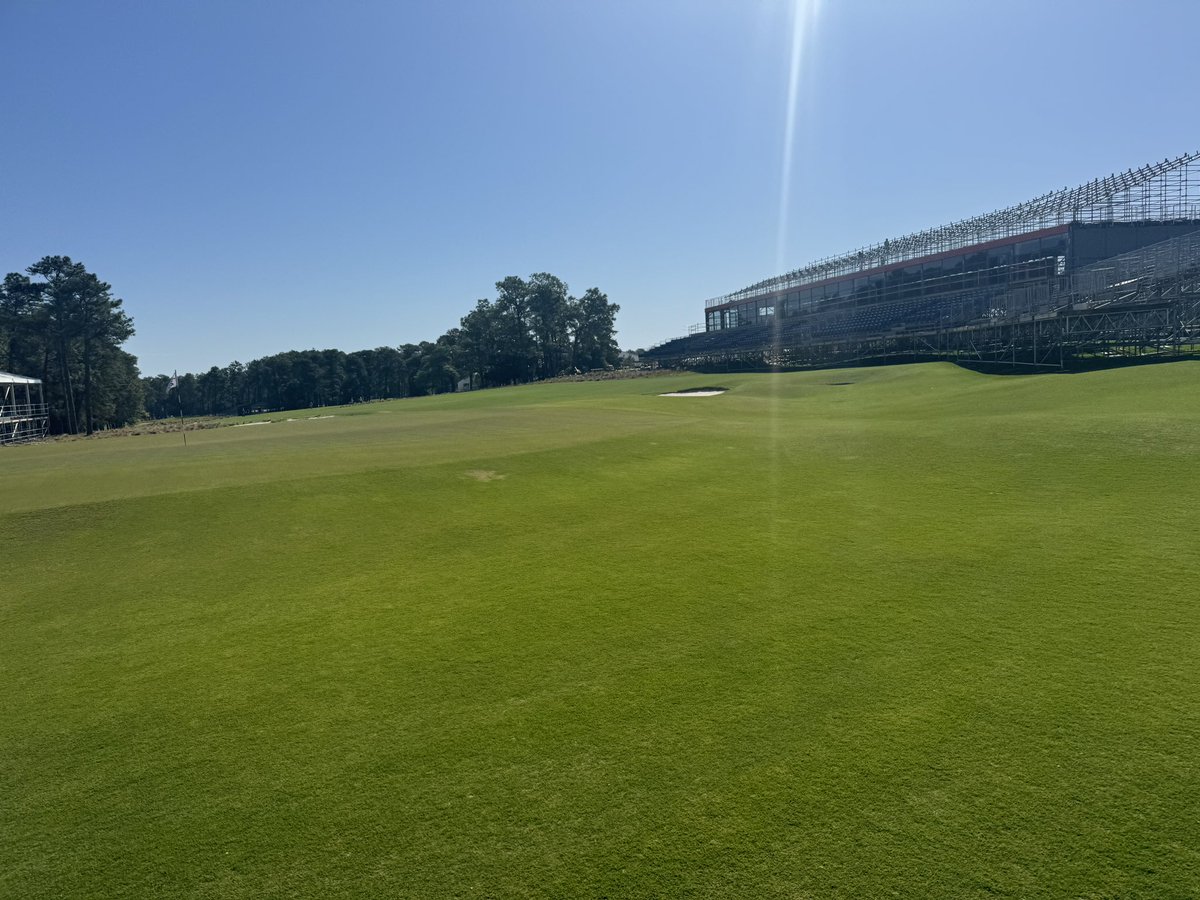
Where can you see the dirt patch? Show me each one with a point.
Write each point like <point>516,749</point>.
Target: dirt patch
<point>613,375</point>
<point>484,475</point>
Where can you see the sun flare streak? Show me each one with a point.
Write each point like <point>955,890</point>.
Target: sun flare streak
<point>804,22</point>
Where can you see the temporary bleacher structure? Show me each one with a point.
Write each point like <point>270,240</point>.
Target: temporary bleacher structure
<point>23,414</point>
<point>1110,268</point>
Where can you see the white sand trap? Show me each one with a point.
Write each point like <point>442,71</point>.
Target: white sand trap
<point>248,424</point>
<point>693,394</point>
<point>310,418</point>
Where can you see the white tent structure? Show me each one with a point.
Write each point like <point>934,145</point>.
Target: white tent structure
<point>23,415</point>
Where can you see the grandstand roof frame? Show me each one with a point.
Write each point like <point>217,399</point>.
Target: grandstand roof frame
<point>1165,191</point>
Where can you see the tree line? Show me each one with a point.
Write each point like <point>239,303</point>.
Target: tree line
<point>533,329</point>
<point>298,379</point>
<point>61,323</point>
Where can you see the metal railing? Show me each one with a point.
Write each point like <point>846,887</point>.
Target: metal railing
<point>23,422</point>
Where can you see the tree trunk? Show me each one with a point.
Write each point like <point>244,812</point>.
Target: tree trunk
<point>87,382</point>
<point>68,392</point>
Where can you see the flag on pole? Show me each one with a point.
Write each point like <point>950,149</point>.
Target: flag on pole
<point>173,385</point>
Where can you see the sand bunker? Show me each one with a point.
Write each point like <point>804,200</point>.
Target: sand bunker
<point>701,392</point>
<point>269,421</point>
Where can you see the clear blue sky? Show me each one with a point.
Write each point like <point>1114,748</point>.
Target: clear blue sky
<point>254,176</point>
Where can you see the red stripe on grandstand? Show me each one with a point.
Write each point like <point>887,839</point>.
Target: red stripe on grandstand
<point>879,270</point>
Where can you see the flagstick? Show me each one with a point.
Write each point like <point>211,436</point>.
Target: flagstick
<point>182,426</point>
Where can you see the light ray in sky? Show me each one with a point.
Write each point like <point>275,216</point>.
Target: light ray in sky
<point>804,23</point>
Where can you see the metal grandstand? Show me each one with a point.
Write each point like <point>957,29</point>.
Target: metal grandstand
<point>1110,268</point>
<point>1164,191</point>
<point>23,413</point>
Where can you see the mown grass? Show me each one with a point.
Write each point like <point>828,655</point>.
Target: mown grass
<point>932,633</point>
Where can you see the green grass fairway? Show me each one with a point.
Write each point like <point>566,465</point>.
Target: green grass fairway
<point>927,634</point>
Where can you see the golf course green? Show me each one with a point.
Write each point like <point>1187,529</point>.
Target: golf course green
<point>907,631</point>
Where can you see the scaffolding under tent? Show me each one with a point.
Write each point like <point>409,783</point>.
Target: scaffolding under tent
<point>23,413</point>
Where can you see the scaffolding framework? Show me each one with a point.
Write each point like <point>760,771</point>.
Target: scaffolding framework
<point>1168,191</point>
<point>1105,270</point>
<point>1142,303</point>
<point>23,413</point>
